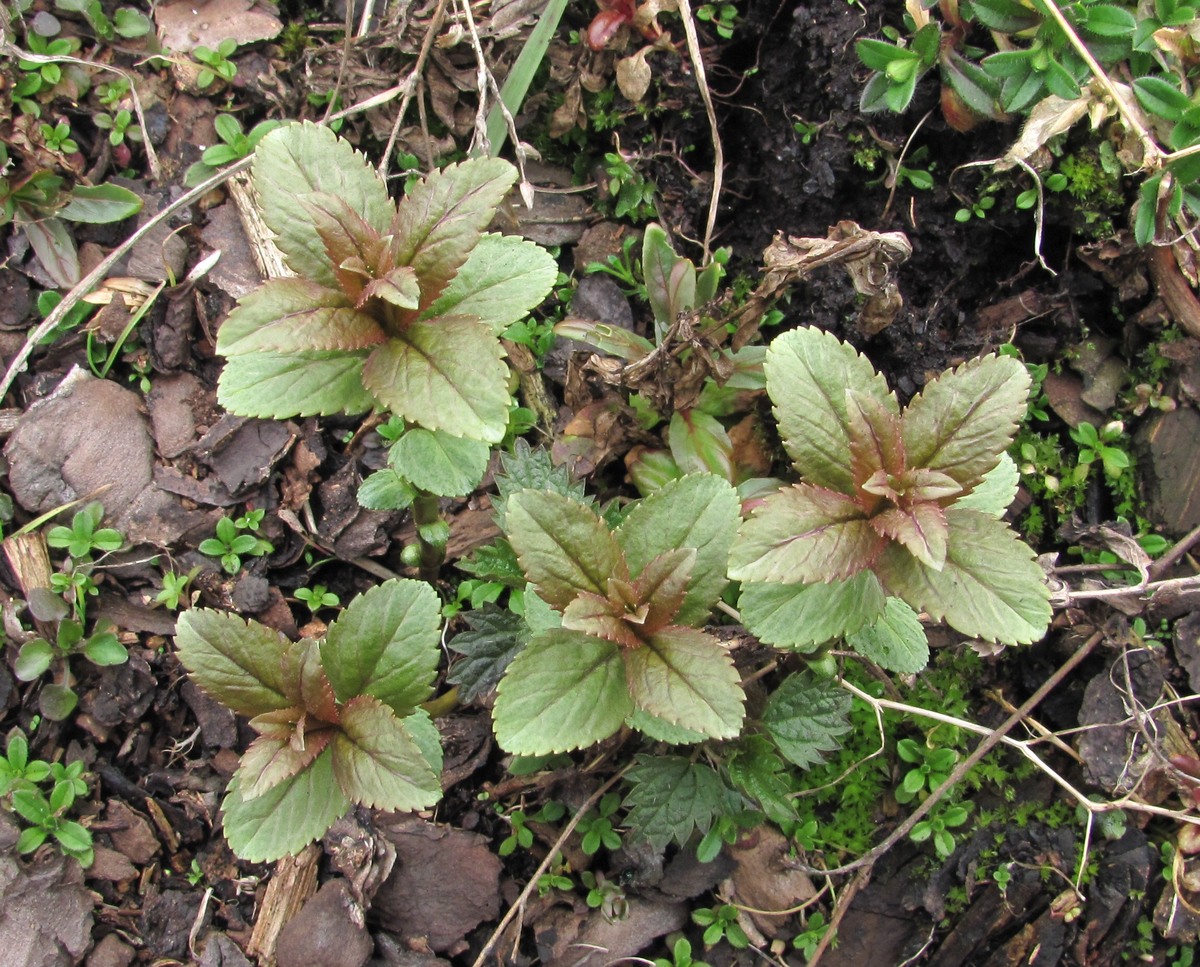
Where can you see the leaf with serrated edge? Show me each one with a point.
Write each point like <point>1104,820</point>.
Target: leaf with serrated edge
<point>996,491</point>
<point>594,615</point>
<point>802,616</point>
<point>421,729</point>
<point>964,420</point>
<point>874,434</point>
<point>670,797</point>
<point>352,246</point>
<point>274,758</point>
<point>921,529</point>
<point>662,585</point>
<point>445,374</point>
<point>808,373</point>
<point>302,665</point>
<point>377,763</point>
<point>806,716</point>
<point>990,586</point>
<point>563,547</point>
<point>698,511</point>
<point>282,385</point>
<point>314,330</point>
<point>441,219</point>
<point>661,730</point>
<point>386,644</point>
<point>439,463</point>
<point>803,534</point>
<point>398,286</point>
<point>273,302</point>
<point>495,637</point>
<point>684,676</point>
<point>298,159</point>
<point>895,641</point>
<point>240,664</point>
<point>565,691</point>
<point>287,817</point>
<point>502,279</point>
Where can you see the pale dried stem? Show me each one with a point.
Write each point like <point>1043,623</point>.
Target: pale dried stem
<point>410,85</point>
<point>693,44</point>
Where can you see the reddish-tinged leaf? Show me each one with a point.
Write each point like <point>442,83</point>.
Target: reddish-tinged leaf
<point>687,678</point>
<point>930,485</point>
<point>614,340</point>
<point>603,618</point>
<point>347,238</point>
<point>921,529</point>
<point>292,315</point>
<point>377,762</point>
<point>604,26</point>
<point>804,534</point>
<point>700,444</point>
<point>399,287</point>
<point>663,585</point>
<point>302,665</point>
<point>271,759</point>
<point>874,433</point>
<point>803,616</point>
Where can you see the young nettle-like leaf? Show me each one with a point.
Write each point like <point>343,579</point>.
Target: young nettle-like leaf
<point>887,506</point>
<point>337,721</point>
<point>397,307</point>
<point>627,651</point>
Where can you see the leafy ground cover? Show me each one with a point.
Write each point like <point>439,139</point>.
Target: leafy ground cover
<point>735,502</point>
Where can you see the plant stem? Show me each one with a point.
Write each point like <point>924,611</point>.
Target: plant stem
<point>426,511</point>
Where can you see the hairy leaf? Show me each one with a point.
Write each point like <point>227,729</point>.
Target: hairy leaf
<point>504,277</point>
<point>386,644</point>
<point>377,763</point>
<point>277,385</point>
<point>354,248</point>
<point>441,219</point>
<point>990,586</point>
<point>445,374</point>
<point>601,617</point>
<point>921,529</point>
<point>806,716</point>
<point>563,547</point>
<point>662,586</point>
<point>239,663</point>
<point>320,328</point>
<point>439,463</point>
<point>274,758</point>
<point>100,204</point>
<point>757,771</point>
<point>287,817</point>
<point>804,534</point>
<point>386,490</point>
<point>964,420</point>
<point>802,616</point>
<point>564,691</point>
<point>670,797</point>
<point>686,677</point>
<point>895,640</point>
<point>699,511</point>
<point>527,468</point>
<point>298,159</point>
<point>873,430</point>
<point>808,373</point>
<point>495,638</point>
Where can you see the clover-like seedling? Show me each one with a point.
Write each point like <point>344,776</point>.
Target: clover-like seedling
<point>626,649</point>
<point>397,306</point>
<point>893,503</point>
<point>231,544</point>
<point>85,535</point>
<point>338,720</point>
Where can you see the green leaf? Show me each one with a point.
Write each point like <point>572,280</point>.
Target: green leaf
<point>73,837</point>
<point>802,616</point>
<point>921,529</point>
<point>803,534</point>
<point>612,340</point>
<point>104,649</point>
<point>386,644</point>
<point>439,463</point>
<point>294,315</point>
<point>377,763</point>
<point>806,716</point>
<point>298,159</point>
<point>661,730</point>
<point>758,772</point>
<point>239,663</point>
<point>564,691</point>
<point>699,511</point>
<point>895,640</point>
<point>30,839</point>
<point>1161,97</point>
<point>495,638</point>
<point>990,587</point>
<point>563,547</point>
<point>808,373</point>
<point>1107,20</point>
<point>687,678</point>
<point>55,249</point>
<point>386,490</point>
<point>878,54</point>
<point>671,797</point>
<point>1006,16</point>
<point>56,702</point>
<point>286,818</point>
<point>274,758</point>
<point>440,220</point>
<point>503,278</point>
<point>996,491</point>
<point>670,280</point>
<point>444,374</point>
<point>279,386</point>
<point>33,660</point>
<point>700,444</point>
<point>425,734</point>
<point>100,204</point>
<point>527,468</point>
<point>964,420</point>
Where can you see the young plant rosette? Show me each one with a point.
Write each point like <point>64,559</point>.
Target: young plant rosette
<point>902,503</point>
<point>625,650</point>
<point>396,306</point>
<point>337,719</point>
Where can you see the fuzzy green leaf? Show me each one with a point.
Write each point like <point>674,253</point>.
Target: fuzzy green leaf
<point>806,716</point>
<point>803,534</point>
<point>687,678</point>
<point>495,638</point>
<point>439,463</point>
<point>287,817</point>
<point>808,373</point>
<point>802,616</point>
<point>661,730</point>
<point>895,640</point>
<point>921,529</point>
<point>964,420</point>
<point>239,663</point>
<point>990,586</point>
<point>698,511</point>
<point>444,374</point>
<point>278,386</point>
<point>527,468</point>
<point>440,220</point>
<point>756,770</point>
<point>670,797</point>
<point>670,280</point>
<point>291,316</point>
<point>563,547</point>
<point>298,159</point>
<point>377,763</point>
<point>564,691</point>
<point>386,644</point>
<point>504,277</point>
<point>386,490</point>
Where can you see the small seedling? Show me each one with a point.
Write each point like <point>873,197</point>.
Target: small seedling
<point>230,545</point>
<point>216,62</point>
<point>810,938</point>
<point>596,829</point>
<point>631,192</point>
<point>605,895</point>
<point>119,126</point>
<point>722,16</point>
<point>57,699</point>
<point>721,923</point>
<point>235,144</point>
<point>937,825</point>
<point>1101,445</point>
<point>58,138</point>
<point>976,209</point>
<point>681,956</point>
<point>174,588</point>
<point>317,597</point>
<point>931,767</point>
<point>85,535</point>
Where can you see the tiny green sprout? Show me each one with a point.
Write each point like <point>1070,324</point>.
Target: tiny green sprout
<point>605,895</point>
<point>930,769</point>
<point>521,834</point>
<point>1002,876</point>
<point>943,818</point>
<point>216,62</point>
<point>976,209</point>
<point>631,192</point>
<point>596,829</point>
<point>556,878</point>
<point>317,597</point>
<point>721,923</point>
<point>330,100</point>
<point>20,779</point>
<point>234,145</point>
<point>113,92</point>
<point>195,875</point>
<point>85,534</point>
<point>58,137</point>
<point>721,15</point>
<point>17,770</point>
<point>681,956</point>
<point>120,126</point>
<point>174,588</point>
<point>814,932</point>
<point>230,546</point>
<point>1101,445</point>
